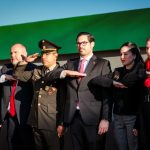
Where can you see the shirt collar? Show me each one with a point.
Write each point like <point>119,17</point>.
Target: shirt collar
<point>52,67</point>
<point>87,58</point>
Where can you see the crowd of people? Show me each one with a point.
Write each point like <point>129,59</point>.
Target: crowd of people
<point>71,107</point>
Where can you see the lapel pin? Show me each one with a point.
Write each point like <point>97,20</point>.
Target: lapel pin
<point>94,62</point>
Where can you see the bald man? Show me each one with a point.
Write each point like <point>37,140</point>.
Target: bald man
<point>18,132</point>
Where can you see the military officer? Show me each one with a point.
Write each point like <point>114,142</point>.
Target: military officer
<point>46,109</point>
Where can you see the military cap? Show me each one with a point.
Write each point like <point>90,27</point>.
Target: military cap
<point>47,46</point>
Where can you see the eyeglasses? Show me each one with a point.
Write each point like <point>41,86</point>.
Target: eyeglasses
<point>84,43</point>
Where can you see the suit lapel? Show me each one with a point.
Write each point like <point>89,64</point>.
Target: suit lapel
<point>91,65</point>
<point>76,66</point>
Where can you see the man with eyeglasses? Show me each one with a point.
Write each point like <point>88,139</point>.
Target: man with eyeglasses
<point>87,107</point>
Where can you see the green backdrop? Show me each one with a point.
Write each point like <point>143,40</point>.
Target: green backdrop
<point>110,31</point>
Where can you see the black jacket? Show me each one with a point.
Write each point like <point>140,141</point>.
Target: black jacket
<point>23,95</point>
<point>126,100</point>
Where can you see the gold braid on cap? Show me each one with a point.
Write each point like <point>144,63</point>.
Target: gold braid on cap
<point>52,49</point>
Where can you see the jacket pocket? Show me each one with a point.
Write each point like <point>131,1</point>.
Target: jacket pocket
<point>51,108</point>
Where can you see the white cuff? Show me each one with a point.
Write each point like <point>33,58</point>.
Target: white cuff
<point>62,74</point>
<point>2,78</point>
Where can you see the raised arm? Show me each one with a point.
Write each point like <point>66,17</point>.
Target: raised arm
<point>24,72</point>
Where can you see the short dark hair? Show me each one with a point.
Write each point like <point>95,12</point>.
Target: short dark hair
<point>148,39</point>
<point>90,36</point>
<point>134,50</point>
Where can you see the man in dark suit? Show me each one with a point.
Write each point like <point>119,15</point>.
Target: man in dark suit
<point>18,94</point>
<point>87,107</point>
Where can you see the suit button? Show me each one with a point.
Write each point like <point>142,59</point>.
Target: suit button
<point>42,81</point>
<point>39,96</point>
<point>39,104</point>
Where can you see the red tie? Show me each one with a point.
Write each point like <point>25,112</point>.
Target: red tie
<point>81,69</point>
<point>12,99</point>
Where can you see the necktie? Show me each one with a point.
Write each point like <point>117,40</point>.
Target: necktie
<point>81,68</point>
<point>12,99</point>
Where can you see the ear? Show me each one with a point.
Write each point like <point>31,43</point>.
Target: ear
<point>134,57</point>
<point>93,44</point>
<point>56,55</point>
<point>24,52</point>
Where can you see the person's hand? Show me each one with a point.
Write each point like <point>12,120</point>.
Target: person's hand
<point>103,126</point>
<point>118,84</point>
<point>30,58</point>
<point>9,77</point>
<point>135,132</point>
<point>60,130</point>
<point>52,90</point>
<point>0,125</point>
<point>72,73</point>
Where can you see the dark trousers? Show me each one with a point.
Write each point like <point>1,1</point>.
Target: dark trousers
<point>85,137</point>
<point>18,137</point>
<point>3,137</point>
<point>46,139</point>
<point>145,127</point>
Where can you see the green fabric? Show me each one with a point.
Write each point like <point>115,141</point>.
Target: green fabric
<point>110,31</point>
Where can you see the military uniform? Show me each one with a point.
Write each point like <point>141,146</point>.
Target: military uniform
<point>46,108</point>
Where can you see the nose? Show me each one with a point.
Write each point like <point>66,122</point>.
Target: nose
<point>43,56</point>
<point>122,56</point>
<point>80,46</point>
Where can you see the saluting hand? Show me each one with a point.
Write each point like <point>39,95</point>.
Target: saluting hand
<point>30,58</point>
<point>72,73</point>
<point>118,85</point>
<point>9,77</point>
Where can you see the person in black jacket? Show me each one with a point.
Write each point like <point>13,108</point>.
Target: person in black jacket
<point>18,132</point>
<point>86,113</point>
<point>126,83</point>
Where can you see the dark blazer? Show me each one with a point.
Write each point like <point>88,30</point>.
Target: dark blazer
<point>23,95</point>
<point>93,107</point>
<point>127,101</point>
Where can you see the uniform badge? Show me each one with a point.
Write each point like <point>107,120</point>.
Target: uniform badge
<point>47,88</point>
<point>51,90</point>
<point>94,62</point>
<point>36,77</point>
<point>116,75</point>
